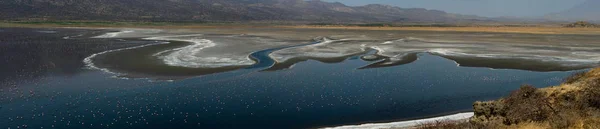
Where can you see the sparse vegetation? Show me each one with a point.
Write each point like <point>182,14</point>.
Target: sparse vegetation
<point>591,94</point>
<point>573,78</point>
<point>450,125</point>
<point>525,105</point>
<point>573,105</point>
<point>581,24</point>
<point>388,25</point>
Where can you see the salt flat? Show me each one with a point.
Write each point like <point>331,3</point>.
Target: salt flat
<point>214,48</point>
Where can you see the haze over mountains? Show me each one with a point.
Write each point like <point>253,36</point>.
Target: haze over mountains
<point>587,11</point>
<point>313,11</point>
<point>217,10</point>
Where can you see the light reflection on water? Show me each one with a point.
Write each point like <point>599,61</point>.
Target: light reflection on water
<point>311,94</point>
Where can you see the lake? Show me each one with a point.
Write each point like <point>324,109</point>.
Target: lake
<point>46,83</point>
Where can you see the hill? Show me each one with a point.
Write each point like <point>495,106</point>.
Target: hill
<point>575,104</point>
<point>217,10</point>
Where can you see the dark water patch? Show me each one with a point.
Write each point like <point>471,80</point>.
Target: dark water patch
<point>566,47</point>
<point>371,57</point>
<point>386,62</point>
<point>264,61</point>
<point>46,31</point>
<point>141,63</point>
<point>27,55</point>
<point>515,63</point>
<point>312,94</point>
<point>291,62</point>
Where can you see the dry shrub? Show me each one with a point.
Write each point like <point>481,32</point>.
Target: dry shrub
<point>592,99</point>
<point>527,104</point>
<point>437,125</point>
<point>591,94</point>
<point>529,125</point>
<point>591,124</point>
<point>489,109</point>
<point>578,108</point>
<point>565,119</point>
<point>574,77</point>
<point>528,107</point>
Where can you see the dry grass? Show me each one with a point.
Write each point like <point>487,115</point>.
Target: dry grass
<point>526,30</point>
<point>573,105</point>
<point>448,124</point>
<point>528,125</point>
<point>525,105</point>
<point>491,29</point>
<point>574,78</point>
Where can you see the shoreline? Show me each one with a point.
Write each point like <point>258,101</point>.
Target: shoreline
<point>486,29</point>
<point>403,123</point>
<point>408,123</point>
<point>282,62</point>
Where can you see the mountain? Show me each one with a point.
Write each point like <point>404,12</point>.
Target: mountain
<point>587,11</point>
<point>216,10</point>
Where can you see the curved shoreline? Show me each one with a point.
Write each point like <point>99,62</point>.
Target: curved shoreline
<point>259,62</point>
<point>260,56</point>
<point>88,61</point>
<point>409,123</point>
<point>264,58</point>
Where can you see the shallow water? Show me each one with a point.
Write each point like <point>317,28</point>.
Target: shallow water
<point>310,94</point>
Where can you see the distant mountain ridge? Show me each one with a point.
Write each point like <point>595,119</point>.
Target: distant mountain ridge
<point>217,10</point>
<point>587,11</point>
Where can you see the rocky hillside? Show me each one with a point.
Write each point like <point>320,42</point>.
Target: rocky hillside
<point>575,104</point>
<point>216,10</point>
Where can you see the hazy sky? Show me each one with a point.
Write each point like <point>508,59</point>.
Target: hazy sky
<point>491,8</point>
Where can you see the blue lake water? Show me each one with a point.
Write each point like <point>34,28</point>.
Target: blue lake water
<point>311,94</point>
